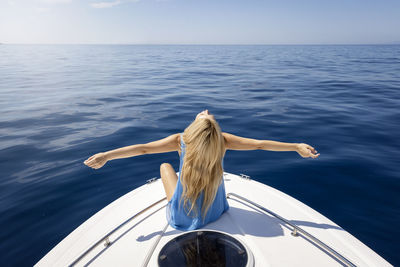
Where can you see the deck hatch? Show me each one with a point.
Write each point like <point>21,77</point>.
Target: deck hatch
<point>203,248</point>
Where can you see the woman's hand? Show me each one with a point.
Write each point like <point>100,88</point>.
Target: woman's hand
<point>306,151</point>
<point>96,161</point>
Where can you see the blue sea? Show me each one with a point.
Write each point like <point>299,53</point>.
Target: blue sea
<point>60,104</point>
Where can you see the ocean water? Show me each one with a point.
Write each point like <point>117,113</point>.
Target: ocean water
<point>61,104</point>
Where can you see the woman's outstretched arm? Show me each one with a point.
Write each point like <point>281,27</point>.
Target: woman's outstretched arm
<point>167,144</point>
<point>234,142</point>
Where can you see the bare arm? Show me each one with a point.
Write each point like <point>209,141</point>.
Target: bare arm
<point>234,142</point>
<point>167,144</point>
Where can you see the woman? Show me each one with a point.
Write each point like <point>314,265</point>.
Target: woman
<point>197,196</point>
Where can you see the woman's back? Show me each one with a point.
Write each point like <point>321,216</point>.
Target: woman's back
<point>176,213</point>
<point>200,184</point>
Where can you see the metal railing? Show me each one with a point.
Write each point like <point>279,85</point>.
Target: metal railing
<point>105,238</point>
<point>297,230</point>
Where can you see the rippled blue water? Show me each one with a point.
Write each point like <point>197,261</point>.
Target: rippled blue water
<point>61,104</point>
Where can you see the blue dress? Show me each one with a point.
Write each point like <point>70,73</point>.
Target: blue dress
<point>177,217</point>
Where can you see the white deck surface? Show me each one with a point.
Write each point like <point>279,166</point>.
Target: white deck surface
<point>269,239</point>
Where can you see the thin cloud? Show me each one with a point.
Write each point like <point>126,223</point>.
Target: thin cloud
<point>55,1</point>
<point>109,4</point>
<point>105,4</point>
<point>47,2</point>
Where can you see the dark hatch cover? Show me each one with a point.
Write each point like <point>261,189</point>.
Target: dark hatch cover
<point>203,248</point>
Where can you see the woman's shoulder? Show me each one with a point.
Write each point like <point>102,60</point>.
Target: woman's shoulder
<point>180,142</point>
<point>227,137</point>
<point>173,140</point>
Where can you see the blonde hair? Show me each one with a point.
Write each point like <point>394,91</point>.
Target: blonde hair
<point>202,168</point>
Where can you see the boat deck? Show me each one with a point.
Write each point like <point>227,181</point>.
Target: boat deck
<point>139,240</point>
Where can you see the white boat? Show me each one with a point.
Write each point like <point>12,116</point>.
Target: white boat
<point>263,227</point>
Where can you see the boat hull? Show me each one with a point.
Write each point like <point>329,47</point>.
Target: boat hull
<point>124,233</point>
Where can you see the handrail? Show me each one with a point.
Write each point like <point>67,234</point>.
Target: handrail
<point>105,238</point>
<point>296,229</point>
<point>153,247</point>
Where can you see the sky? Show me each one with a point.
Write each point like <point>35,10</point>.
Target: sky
<point>200,21</point>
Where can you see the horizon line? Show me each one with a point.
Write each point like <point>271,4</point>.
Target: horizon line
<point>221,44</point>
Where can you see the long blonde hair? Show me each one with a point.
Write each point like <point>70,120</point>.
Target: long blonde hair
<point>202,168</point>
